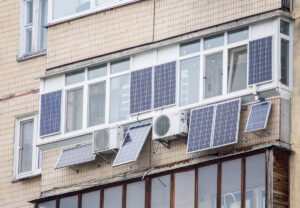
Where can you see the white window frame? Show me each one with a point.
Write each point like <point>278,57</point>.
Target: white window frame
<point>35,42</point>
<point>172,53</point>
<point>93,9</point>
<point>35,151</point>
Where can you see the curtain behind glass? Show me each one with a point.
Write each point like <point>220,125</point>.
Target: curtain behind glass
<point>74,110</point>
<point>26,140</point>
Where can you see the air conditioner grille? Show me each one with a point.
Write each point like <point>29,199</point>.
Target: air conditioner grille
<point>162,125</point>
<point>101,139</point>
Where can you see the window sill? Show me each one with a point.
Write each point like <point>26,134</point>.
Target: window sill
<point>17,179</point>
<point>86,13</point>
<point>32,55</point>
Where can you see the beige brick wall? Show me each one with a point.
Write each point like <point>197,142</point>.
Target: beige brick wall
<point>66,177</point>
<point>132,25</point>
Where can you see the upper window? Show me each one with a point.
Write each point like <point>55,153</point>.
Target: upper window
<point>33,35</point>
<point>67,9</point>
<point>28,160</point>
<point>285,52</point>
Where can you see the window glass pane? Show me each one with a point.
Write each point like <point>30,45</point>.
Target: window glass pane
<point>91,200</point>
<point>190,47</point>
<point>74,110</point>
<point>214,41</point>
<point>105,3</point>
<point>40,159</point>
<point>97,71</point>
<point>237,35</point>
<point>160,192</point>
<point>135,195</point>
<point>28,43</point>
<point>237,69</point>
<point>213,75</point>
<point>119,98</point>
<point>189,80</point>
<point>66,8</point>
<point>29,12</point>
<point>113,197</point>
<point>68,202</point>
<point>43,20</point>
<point>255,181</point>
<point>284,27</point>
<point>26,141</point>
<point>231,183</point>
<point>50,204</point>
<point>184,189</point>
<point>284,57</point>
<point>74,77</point>
<point>207,186</point>
<point>119,66</point>
<point>96,104</point>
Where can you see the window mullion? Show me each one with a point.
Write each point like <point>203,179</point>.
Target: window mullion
<point>219,186</point>
<point>243,183</point>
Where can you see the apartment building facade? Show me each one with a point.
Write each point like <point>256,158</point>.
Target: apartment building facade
<point>149,103</point>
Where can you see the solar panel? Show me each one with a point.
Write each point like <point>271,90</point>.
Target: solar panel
<point>201,124</point>
<point>260,61</point>
<point>226,126</point>
<point>76,155</point>
<point>258,116</point>
<point>141,90</point>
<point>164,84</point>
<point>50,113</point>
<point>132,144</point>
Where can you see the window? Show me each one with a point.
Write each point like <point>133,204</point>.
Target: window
<point>237,69</point>
<point>285,52</point>
<point>96,104</point>
<point>91,199</point>
<point>28,155</point>
<point>231,183</point>
<point>50,204</point>
<point>135,195</point>
<point>213,42</point>
<point>69,202</point>
<point>213,75</point>
<point>160,192</point>
<point>238,35</point>
<point>113,197</point>
<point>74,109</point>
<point>184,189</point>
<point>33,35</point>
<point>72,8</point>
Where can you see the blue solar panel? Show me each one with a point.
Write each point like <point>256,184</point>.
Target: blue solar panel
<point>132,144</point>
<point>258,116</point>
<point>201,124</point>
<point>50,113</point>
<point>141,90</point>
<point>164,84</point>
<point>76,155</point>
<point>260,61</point>
<point>227,118</point>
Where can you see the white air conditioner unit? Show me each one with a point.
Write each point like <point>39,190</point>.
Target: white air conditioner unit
<point>169,126</point>
<point>107,140</point>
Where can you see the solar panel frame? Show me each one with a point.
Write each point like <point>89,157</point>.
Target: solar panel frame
<point>237,123</point>
<point>251,82</point>
<point>149,89</point>
<point>266,119</point>
<point>46,127</point>
<point>92,158</point>
<point>191,129</point>
<point>138,151</point>
<point>157,102</point>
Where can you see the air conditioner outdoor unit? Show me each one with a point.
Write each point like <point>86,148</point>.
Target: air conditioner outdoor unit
<point>169,126</point>
<point>107,140</point>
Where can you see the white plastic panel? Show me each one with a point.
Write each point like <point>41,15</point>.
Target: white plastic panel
<point>54,83</point>
<point>143,60</point>
<point>261,30</point>
<point>167,54</point>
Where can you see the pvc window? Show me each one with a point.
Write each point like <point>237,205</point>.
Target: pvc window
<point>33,35</point>
<point>28,157</point>
<point>285,51</point>
<point>91,199</point>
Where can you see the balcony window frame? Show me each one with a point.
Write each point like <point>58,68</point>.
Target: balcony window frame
<point>36,159</point>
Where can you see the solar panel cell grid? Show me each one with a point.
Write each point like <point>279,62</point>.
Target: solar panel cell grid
<point>200,130</point>
<point>50,113</point>
<point>141,90</point>
<point>164,84</point>
<point>258,116</point>
<point>132,144</point>
<point>76,155</point>
<point>226,123</point>
<point>260,61</point>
